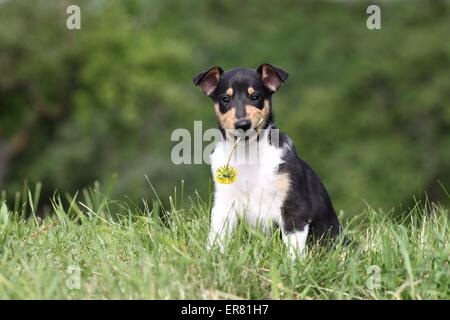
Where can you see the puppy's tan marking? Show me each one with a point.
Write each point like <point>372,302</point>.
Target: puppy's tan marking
<point>250,91</point>
<point>229,92</point>
<point>254,114</point>
<point>226,119</point>
<point>282,183</point>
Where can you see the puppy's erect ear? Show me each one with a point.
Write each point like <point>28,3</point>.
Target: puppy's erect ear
<point>272,76</point>
<point>208,80</point>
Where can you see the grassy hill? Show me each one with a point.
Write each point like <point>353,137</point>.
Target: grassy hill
<point>93,247</point>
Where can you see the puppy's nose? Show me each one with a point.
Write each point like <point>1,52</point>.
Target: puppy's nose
<point>243,124</point>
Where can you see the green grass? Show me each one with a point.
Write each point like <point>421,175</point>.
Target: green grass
<point>128,251</point>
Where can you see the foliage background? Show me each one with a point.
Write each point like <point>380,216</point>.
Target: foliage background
<point>369,110</point>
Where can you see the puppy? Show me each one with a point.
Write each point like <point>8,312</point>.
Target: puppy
<point>275,187</point>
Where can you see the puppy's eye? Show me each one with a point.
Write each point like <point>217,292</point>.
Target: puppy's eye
<point>255,97</point>
<point>225,99</point>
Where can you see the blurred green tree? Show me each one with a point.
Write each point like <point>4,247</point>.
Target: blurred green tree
<point>368,109</point>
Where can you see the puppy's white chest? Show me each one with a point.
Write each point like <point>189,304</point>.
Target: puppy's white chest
<point>259,191</point>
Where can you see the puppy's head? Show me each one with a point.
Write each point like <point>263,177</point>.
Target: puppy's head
<point>242,97</point>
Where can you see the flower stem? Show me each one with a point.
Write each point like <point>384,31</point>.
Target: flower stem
<point>232,150</point>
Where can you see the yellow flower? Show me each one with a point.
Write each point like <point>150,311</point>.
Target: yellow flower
<point>226,174</point>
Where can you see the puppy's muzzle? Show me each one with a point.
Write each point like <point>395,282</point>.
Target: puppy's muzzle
<point>243,124</point>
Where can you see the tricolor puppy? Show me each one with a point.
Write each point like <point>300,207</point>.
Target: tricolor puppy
<point>274,187</point>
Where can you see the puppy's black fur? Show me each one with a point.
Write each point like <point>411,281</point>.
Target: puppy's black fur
<point>307,200</point>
